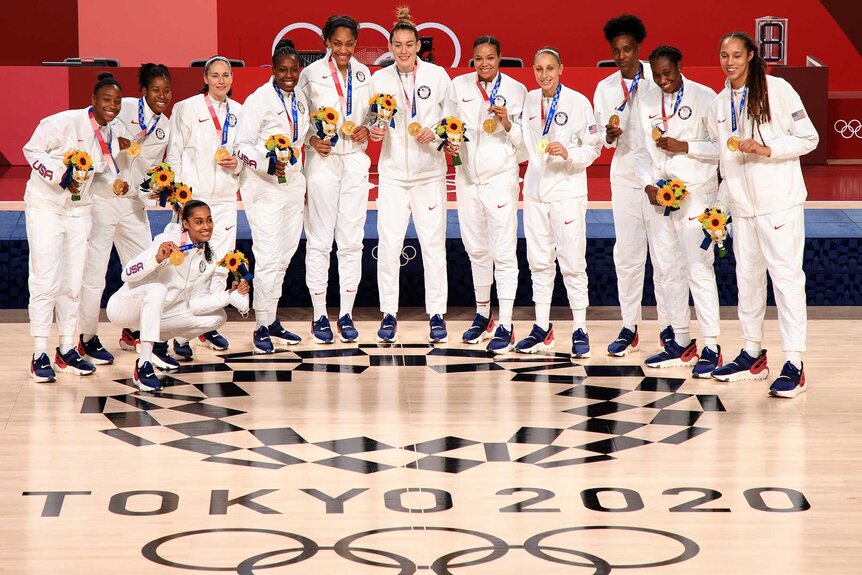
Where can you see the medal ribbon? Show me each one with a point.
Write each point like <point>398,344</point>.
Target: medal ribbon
<point>294,122</point>
<point>490,99</point>
<point>629,92</point>
<point>410,101</point>
<point>144,132</point>
<point>219,128</point>
<point>106,147</point>
<point>664,116</point>
<point>733,112</point>
<point>551,112</point>
<point>347,107</point>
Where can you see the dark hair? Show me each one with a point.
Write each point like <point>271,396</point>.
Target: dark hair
<point>285,47</point>
<point>106,79</point>
<point>626,24</point>
<point>191,206</point>
<point>209,63</point>
<point>548,50</point>
<point>758,93</point>
<point>487,40</point>
<point>404,22</point>
<point>149,72</point>
<point>338,21</point>
<point>669,52</point>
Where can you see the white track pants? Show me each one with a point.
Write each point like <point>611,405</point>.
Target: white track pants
<point>57,246</point>
<point>774,243</point>
<point>116,222</point>
<point>557,232</point>
<point>427,203</point>
<point>143,307</point>
<point>337,206</point>
<point>488,216</point>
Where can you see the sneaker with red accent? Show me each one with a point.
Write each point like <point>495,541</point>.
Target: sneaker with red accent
<point>627,342</point>
<point>71,362</point>
<point>130,340</point>
<point>674,355</point>
<point>538,340</point>
<point>503,340</point>
<point>744,367</point>
<point>93,351</point>
<point>790,383</point>
<point>213,340</point>
<point>482,329</point>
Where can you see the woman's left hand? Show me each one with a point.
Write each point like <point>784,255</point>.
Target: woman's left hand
<point>557,149</point>
<point>750,146</point>
<point>502,116</point>
<point>279,168</point>
<point>360,134</point>
<point>230,163</point>
<point>124,142</point>
<point>672,145</point>
<point>426,136</point>
<point>243,287</point>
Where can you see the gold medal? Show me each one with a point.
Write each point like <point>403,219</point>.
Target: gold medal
<point>414,128</point>
<point>119,187</point>
<point>347,128</point>
<point>733,143</point>
<point>656,133</point>
<point>133,150</point>
<point>542,146</point>
<point>177,258</point>
<point>222,154</point>
<point>614,121</point>
<point>489,125</point>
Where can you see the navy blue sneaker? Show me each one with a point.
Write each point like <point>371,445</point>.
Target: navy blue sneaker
<point>183,351</point>
<point>41,370</point>
<point>580,344</point>
<point>665,336</point>
<point>347,332</point>
<point>262,341</point>
<point>213,340</point>
<point>744,367</point>
<point>482,329</point>
<point>280,336</point>
<point>790,383</point>
<point>162,359</point>
<point>388,331</point>
<point>674,355</point>
<point>145,378</point>
<point>538,340</point>
<point>626,343</point>
<point>130,340</point>
<point>437,330</point>
<point>709,361</point>
<point>321,331</point>
<point>93,351</point>
<point>71,362</point>
<point>503,341</point>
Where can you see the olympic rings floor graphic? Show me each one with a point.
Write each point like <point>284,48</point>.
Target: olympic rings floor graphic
<point>493,548</point>
<point>546,446</point>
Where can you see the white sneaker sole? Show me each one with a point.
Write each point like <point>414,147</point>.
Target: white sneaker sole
<point>206,343</point>
<point>541,346</point>
<point>441,340</point>
<point>126,347</point>
<point>39,379</point>
<point>347,340</point>
<point>281,342</point>
<point>624,352</point>
<point>673,363</point>
<point>789,394</point>
<point>393,339</point>
<point>162,365</point>
<point>316,339</point>
<point>587,355</point>
<point>707,375</point>
<point>95,361</point>
<point>485,335</point>
<point>742,376</point>
<point>143,387</point>
<point>73,370</point>
<point>502,350</point>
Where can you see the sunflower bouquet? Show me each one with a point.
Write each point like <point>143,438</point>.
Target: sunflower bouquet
<point>279,148</point>
<point>237,264</point>
<point>715,229</point>
<point>384,106</point>
<point>451,131</point>
<point>160,180</point>
<point>325,122</point>
<point>181,194</point>
<point>78,164</point>
<point>670,195</point>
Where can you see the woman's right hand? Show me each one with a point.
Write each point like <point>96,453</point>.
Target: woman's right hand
<point>322,147</point>
<point>376,133</point>
<point>614,132</point>
<point>72,188</point>
<point>165,250</point>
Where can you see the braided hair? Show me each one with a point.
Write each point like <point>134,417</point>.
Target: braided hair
<point>758,93</point>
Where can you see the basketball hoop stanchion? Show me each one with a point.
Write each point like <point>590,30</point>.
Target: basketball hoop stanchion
<point>770,32</point>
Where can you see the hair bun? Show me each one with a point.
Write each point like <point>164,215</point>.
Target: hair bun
<point>403,15</point>
<point>104,76</point>
<point>285,43</point>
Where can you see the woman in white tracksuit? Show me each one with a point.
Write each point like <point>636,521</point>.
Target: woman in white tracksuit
<point>58,216</point>
<point>412,179</point>
<point>201,155</point>
<point>274,209</point>
<point>677,112</point>
<point>489,103</point>
<point>562,139</point>
<point>337,176</point>
<point>165,300</point>
<point>121,220</point>
<point>762,128</point>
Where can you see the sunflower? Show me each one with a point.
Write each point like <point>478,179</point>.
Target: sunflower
<point>330,116</point>
<point>373,99</point>
<point>83,161</point>
<point>182,193</point>
<point>281,141</point>
<point>388,102</point>
<point>231,262</point>
<point>666,197</point>
<point>716,222</point>
<point>676,184</point>
<point>703,216</point>
<point>454,125</point>
<point>163,177</point>
<point>69,157</point>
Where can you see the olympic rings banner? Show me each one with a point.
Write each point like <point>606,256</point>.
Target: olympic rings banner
<point>845,126</point>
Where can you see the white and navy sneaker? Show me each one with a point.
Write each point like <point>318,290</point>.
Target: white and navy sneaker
<point>482,329</point>
<point>709,361</point>
<point>790,383</point>
<point>280,336</point>
<point>71,362</point>
<point>538,340</point>
<point>744,367</point>
<point>347,332</point>
<point>503,340</point>
<point>145,378</point>
<point>674,355</point>
<point>41,370</point>
<point>388,331</point>
<point>665,336</point>
<point>321,331</point>
<point>580,344</point>
<point>162,359</point>
<point>262,341</point>
<point>93,351</point>
<point>183,351</point>
<point>130,340</point>
<point>213,340</point>
<point>626,343</point>
<point>437,329</point>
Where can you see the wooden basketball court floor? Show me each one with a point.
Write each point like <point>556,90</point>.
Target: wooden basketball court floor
<point>360,458</point>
